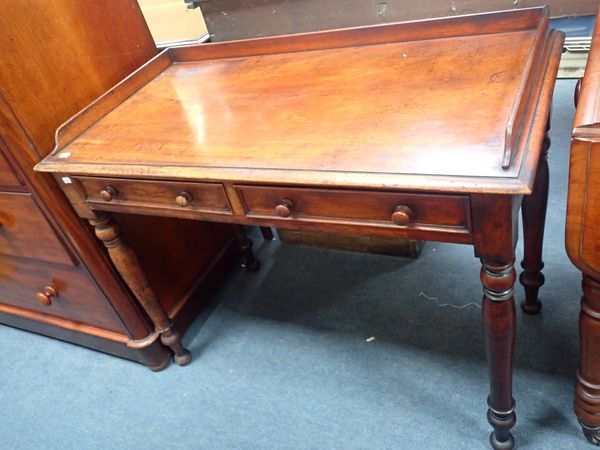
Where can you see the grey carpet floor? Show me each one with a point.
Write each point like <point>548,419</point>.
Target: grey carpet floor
<point>285,360</point>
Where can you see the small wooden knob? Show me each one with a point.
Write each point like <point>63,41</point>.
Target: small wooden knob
<point>45,298</point>
<point>184,199</point>
<point>402,215</point>
<point>284,208</point>
<point>108,193</point>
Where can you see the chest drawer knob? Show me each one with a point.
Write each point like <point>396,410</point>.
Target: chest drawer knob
<point>402,215</point>
<point>108,193</point>
<point>45,298</point>
<point>183,199</point>
<point>284,208</point>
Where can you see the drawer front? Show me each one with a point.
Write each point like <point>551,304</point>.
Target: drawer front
<point>7,175</point>
<point>25,284</point>
<point>370,208</point>
<point>204,197</point>
<point>25,232</point>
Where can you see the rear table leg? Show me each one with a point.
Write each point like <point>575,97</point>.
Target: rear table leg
<point>249,262</point>
<point>533,210</point>
<point>267,233</point>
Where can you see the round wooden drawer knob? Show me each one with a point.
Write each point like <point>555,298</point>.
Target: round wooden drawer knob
<point>402,215</point>
<point>108,193</point>
<point>45,298</point>
<point>184,199</point>
<point>284,208</point>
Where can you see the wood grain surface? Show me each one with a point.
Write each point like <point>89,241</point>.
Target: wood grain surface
<point>358,115</point>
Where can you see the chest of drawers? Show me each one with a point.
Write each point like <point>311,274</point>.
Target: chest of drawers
<point>54,277</point>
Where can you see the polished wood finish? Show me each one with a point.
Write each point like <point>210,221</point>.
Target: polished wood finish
<point>499,323</point>
<point>583,238</point>
<point>44,246</point>
<point>447,216</point>
<point>208,197</point>
<point>184,199</point>
<point>534,219</point>
<point>108,193</point>
<point>128,266</point>
<point>8,177</point>
<point>319,131</point>
<point>45,297</point>
<point>77,298</point>
<point>402,215</point>
<point>106,41</point>
<point>281,142</point>
<point>284,208</point>
<point>26,233</point>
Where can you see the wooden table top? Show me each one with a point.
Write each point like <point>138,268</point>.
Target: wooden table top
<point>455,109</point>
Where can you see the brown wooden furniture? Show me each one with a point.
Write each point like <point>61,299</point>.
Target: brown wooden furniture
<point>583,238</point>
<point>376,130</point>
<point>55,279</point>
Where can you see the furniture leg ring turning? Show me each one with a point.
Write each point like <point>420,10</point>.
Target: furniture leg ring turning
<point>127,264</point>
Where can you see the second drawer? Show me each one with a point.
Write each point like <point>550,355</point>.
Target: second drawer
<point>370,208</point>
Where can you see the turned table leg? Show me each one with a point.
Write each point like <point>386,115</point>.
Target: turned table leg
<point>587,387</point>
<point>499,329</point>
<point>249,262</point>
<point>534,219</point>
<point>267,233</point>
<point>127,264</point>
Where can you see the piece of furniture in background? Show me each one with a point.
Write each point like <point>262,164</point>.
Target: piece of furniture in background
<point>232,19</point>
<point>172,23</point>
<point>377,245</point>
<point>55,279</point>
<point>318,132</point>
<point>583,238</point>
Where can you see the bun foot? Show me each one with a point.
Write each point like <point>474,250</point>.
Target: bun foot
<point>592,434</point>
<point>253,266</point>
<point>183,359</point>
<point>531,307</point>
<point>501,438</point>
<point>509,444</point>
<point>249,262</point>
<point>162,366</point>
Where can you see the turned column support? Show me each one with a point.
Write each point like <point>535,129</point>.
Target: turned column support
<point>127,264</point>
<point>248,260</point>
<point>533,210</point>
<point>267,233</point>
<point>499,322</point>
<point>587,386</point>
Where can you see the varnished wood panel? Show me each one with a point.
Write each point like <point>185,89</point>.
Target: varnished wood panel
<point>175,268</point>
<point>585,257</point>
<point>359,207</point>
<point>352,109</point>
<point>81,334</point>
<point>209,197</point>
<point>8,177</point>
<point>348,115</point>
<point>57,78</point>
<point>590,239</point>
<point>25,232</point>
<point>77,297</point>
